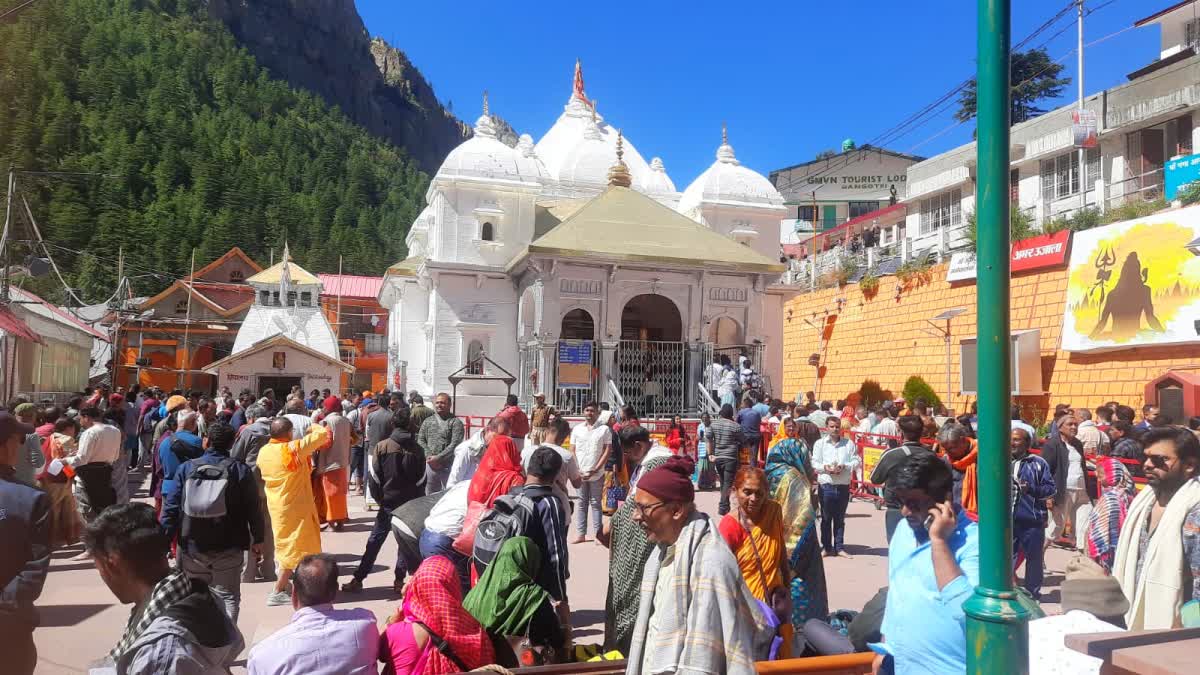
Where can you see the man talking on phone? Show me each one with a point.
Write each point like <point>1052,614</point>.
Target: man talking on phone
<point>933,567</point>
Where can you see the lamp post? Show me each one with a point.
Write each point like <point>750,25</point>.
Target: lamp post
<point>997,623</point>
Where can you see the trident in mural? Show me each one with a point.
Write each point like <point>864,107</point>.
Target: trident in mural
<point>1105,260</point>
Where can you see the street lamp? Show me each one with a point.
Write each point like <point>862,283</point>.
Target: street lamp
<point>944,333</point>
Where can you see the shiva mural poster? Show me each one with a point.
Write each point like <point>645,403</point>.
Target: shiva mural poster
<point>1135,283</point>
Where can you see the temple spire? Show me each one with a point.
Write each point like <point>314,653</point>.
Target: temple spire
<point>618,175</point>
<point>486,112</point>
<point>577,85</point>
<point>724,130</point>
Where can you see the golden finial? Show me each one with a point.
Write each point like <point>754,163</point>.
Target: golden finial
<point>486,112</point>
<point>618,175</point>
<point>724,134</point>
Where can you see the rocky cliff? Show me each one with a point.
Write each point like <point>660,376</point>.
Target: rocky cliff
<point>323,46</point>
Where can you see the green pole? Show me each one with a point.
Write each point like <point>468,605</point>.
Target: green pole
<point>997,624</point>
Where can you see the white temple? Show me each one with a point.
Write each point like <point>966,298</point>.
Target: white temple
<point>285,339</point>
<point>576,266</point>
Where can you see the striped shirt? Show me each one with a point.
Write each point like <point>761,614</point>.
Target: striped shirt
<point>724,438</point>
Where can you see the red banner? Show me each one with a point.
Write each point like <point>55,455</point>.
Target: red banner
<point>1044,250</point>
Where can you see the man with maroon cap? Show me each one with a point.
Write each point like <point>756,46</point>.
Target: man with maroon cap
<point>696,613</point>
<point>25,553</point>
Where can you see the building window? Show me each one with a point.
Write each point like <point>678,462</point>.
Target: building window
<point>306,299</point>
<point>1191,34</point>
<point>1014,186</point>
<point>236,276</point>
<point>181,307</point>
<point>808,213</point>
<point>944,210</point>
<point>487,232</point>
<point>1060,175</point>
<point>475,358</point>
<point>275,298</point>
<point>291,299</point>
<point>862,208</point>
<point>264,298</point>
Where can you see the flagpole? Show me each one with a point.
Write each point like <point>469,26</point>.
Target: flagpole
<point>185,379</point>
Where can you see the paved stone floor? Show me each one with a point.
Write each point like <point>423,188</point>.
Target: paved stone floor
<point>81,620</point>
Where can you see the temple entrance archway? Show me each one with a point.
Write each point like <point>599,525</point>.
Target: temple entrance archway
<point>725,331</point>
<point>651,317</point>
<point>577,324</point>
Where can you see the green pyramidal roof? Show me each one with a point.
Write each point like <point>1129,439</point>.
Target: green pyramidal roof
<point>623,224</point>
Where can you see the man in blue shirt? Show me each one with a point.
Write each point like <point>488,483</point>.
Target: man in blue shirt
<point>751,423</point>
<point>933,567</point>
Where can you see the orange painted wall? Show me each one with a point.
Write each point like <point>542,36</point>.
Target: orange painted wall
<point>881,338</point>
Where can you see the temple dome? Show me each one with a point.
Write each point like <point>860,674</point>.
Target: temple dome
<point>483,156</point>
<point>656,181</point>
<point>728,182</point>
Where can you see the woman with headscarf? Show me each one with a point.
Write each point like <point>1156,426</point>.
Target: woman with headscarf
<point>790,479</point>
<point>431,633</point>
<point>1108,515</point>
<point>509,602</point>
<point>754,533</point>
<point>499,472</point>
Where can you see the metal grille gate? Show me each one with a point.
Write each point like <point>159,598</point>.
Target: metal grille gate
<point>652,376</point>
<point>527,388</point>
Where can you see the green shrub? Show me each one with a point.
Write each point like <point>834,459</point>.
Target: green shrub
<point>869,284</point>
<point>1132,210</point>
<point>1190,194</point>
<point>1020,226</point>
<point>916,387</point>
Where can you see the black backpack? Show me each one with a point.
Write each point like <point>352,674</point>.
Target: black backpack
<point>509,517</point>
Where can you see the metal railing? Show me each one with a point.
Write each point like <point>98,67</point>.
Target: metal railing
<point>707,404</point>
<point>55,397</point>
<point>374,343</point>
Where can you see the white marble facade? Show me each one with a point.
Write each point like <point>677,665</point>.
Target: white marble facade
<point>471,281</point>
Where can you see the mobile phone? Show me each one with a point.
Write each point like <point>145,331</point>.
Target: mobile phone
<point>928,522</point>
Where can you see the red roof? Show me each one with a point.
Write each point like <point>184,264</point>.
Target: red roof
<point>69,317</point>
<point>11,323</point>
<point>350,286</point>
<point>226,296</point>
<point>796,250</point>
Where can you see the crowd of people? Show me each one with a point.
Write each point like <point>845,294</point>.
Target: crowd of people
<point>241,488</point>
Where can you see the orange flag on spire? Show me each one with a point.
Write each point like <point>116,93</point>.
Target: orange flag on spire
<point>578,89</point>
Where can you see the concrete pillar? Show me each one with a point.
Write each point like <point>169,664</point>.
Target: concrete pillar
<point>547,361</point>
<point>871,256</point>
<point>1101,195</point>
<point>608,369</point>
<point>695,373</point>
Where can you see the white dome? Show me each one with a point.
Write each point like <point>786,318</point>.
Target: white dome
<point>483,156</point>
<point>560,147</point>
<point>528,161</point>
<point>587,162</point>
<point>728,182</point>
<point>657,182</point>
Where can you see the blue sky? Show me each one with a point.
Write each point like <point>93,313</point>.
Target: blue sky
<point>790,79</point>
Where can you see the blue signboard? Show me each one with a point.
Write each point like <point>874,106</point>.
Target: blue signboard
<point>1179,173</point>
<point>574,364</point>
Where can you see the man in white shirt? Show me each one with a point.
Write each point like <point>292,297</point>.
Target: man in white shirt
<point>592,442</point>
<point>99,449</point>
<point>835,458</point>
<point>1094,441</point>
<point>715,372</point>
<point>569,473</point>
<point>443,525</point>
<point>298,414</point>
